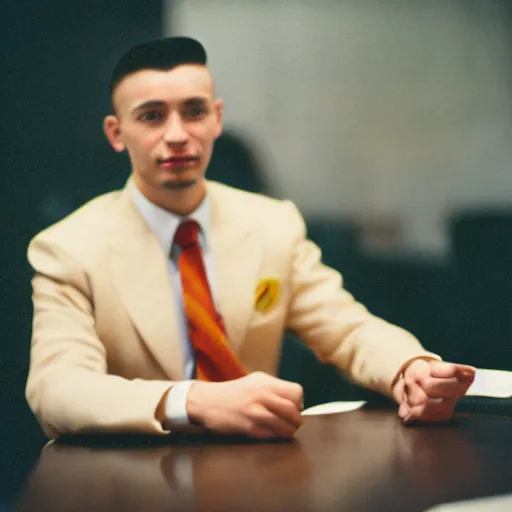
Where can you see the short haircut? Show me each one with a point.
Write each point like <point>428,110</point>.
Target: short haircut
<point>162,54</point>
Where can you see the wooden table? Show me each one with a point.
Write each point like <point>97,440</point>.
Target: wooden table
<point>358,461</point>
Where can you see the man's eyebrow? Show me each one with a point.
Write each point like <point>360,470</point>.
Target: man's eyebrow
<point>148,104</point>
<point>189,102</point>
<point>196,101</point>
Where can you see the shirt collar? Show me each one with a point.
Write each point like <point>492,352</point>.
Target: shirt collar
<point>164,223</point>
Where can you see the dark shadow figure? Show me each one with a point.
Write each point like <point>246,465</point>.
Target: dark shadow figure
<point>234,163</point>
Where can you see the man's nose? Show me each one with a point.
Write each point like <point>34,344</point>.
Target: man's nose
<point>175,132</point>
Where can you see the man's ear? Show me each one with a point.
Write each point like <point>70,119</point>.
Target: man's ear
<point>219,111</point>
<point>112,131</point>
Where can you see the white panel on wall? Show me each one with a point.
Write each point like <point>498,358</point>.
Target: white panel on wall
<point>372,109</point>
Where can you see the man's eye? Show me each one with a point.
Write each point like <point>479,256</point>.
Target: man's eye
<point>195,111</point>
<point>151,116</point>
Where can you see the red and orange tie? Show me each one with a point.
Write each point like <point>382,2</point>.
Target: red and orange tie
<point>215,361</point>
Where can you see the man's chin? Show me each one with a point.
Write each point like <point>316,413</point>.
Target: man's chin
<point>179,185</point>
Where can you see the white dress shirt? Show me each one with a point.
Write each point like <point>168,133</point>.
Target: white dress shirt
<point>164,225</point>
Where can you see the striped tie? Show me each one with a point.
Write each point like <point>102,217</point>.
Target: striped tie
<point>215,361</point>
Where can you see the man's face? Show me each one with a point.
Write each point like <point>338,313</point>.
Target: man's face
<point>168,122</point>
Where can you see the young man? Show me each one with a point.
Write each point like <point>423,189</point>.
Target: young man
<point>163,306</point>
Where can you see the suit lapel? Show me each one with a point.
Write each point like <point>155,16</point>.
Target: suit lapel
<point>237,257</point>
<point>140,274</point>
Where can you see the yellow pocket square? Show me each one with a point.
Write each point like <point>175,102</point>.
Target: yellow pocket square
<point>267,295</point>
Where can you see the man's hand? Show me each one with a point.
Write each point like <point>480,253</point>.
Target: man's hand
<point>257,405</point>
<point>429,390</point>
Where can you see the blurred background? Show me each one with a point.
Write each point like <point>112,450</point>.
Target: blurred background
<point>388,122</point>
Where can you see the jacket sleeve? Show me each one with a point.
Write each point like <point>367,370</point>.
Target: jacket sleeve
<point>68,387</point>
<point>340,330</point>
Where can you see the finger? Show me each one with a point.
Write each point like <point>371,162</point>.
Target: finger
<point>261,417</point>
<point>433,411</point>
<point>260,432</point>
<point>277,426</point>
<point>284,409</point>
<point>290,391</point>
<point>452,383</point>
<point>415,393</point>
<point>452,388</point>
<point>442,369</point>
<point>404,408</point>
<point>466,372</point>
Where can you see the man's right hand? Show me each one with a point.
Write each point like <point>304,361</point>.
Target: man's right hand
<point>257,405</point>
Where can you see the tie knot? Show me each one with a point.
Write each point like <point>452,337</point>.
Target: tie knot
<point>186,234</point>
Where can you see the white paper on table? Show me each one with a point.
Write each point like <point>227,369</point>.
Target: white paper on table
<point>333,408</point>
<point>489,504</point>
<point>491,383</point>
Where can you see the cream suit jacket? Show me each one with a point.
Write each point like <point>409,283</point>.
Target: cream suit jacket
<point>105,345</point>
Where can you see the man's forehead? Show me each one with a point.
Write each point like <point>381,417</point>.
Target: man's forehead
<point>177,84</point>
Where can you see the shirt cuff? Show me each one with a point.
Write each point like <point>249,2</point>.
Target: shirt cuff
<point>176,405</point>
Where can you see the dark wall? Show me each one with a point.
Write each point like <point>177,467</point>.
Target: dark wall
<point>55,59</point>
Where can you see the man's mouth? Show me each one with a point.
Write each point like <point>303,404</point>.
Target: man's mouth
<point>178,161</point>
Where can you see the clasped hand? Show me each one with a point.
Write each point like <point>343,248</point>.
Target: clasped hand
<point>258,405</point>
<point>429,390</point>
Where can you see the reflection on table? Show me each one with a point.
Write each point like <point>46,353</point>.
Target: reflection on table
<point>360,460</point>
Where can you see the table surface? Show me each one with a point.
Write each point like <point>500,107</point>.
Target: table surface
<point>363,460</point>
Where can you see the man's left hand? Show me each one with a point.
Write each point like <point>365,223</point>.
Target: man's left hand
<point>429,390</point>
